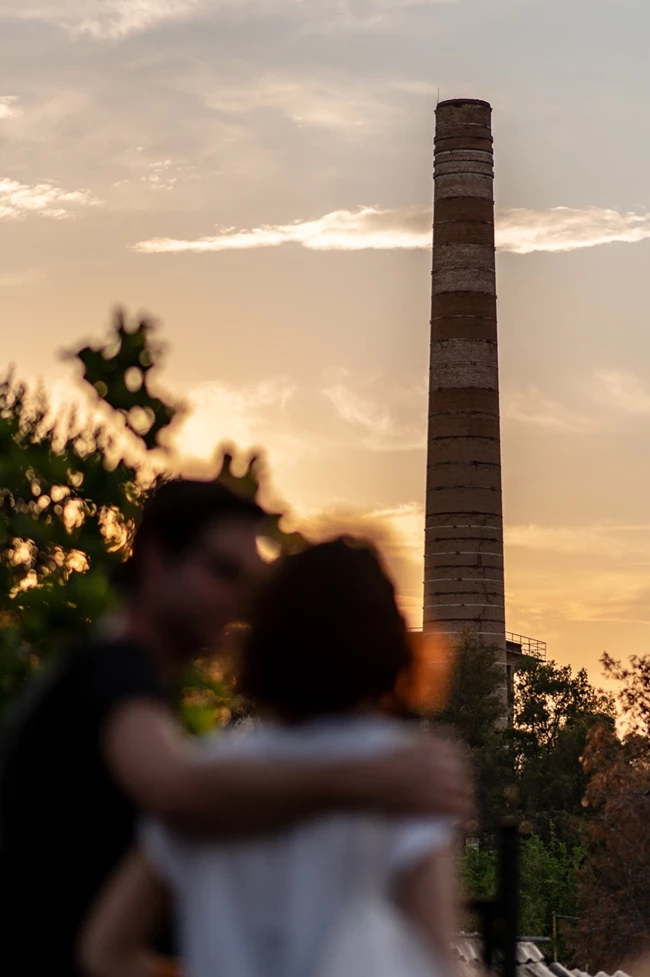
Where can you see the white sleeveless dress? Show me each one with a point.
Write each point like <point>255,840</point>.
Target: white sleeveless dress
<point>270,907</point>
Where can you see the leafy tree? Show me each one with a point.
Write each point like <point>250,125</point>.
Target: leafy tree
<point>553,712</point>
<point>548,880</point>
<point>615,879</point>
<point>530,769</point>
<point>479,871</point>
<point>549,697</point>
<point>634,691</point>
<point>70,492</point>
<point>549,873</point>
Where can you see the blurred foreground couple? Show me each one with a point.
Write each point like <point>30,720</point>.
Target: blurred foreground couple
<point>317,843</point>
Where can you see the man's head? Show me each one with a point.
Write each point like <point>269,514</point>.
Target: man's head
<point>194,554</point>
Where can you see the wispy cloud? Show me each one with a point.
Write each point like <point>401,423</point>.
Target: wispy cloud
<point>546,602</point>
<point>102,19</point>
<point>518,231</point>
<point>324,102</point>
<point>17,279</point>
<point>116,19</point>
<point>568,228</point>
<point>8,107</point>
<point>157,174</point>
<point>631,542</point>
<point>379,427</point>
<point>248,415</point>
<point>341,230</point>
<point>20,200</point>
<point>623,391</point>
<point>532,408</point>
<point>594,573</point>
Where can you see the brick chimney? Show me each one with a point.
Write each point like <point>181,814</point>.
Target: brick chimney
<point>464,584</point>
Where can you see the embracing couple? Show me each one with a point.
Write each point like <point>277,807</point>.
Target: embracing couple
<point>272,849</point>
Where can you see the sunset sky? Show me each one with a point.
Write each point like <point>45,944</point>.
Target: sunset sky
<point>257,174</point>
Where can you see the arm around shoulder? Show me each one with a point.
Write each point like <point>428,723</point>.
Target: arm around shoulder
<point>166,777</point>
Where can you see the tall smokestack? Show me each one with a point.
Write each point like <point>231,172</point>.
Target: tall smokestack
<point>464,586</point>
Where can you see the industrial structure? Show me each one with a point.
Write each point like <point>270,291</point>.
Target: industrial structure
<point>464,567</point>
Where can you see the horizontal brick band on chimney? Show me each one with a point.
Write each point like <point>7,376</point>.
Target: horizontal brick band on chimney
<point>465,280</point>
<point>464,499</point>
<point>454,536</point>
<point>466,327</point>
<point>464,618</point>
<point>464,185</point>
<point>490,606</point>
<point>455,473</point>
<point>464,363</point>
<point>462,399</point>
<point>462,156</point>
<point>455,128</point>
<point>467,587</point>
<point>455,163</point>
<point>465,232</point>
<point>458,544</point>
<point>457,578</point>
<point>473,520</point>
<point>487,637</point>
<point>457,567</point>
<point>464,425</point>
<point>447,549</point>
<point>459,254</point>
<point>463,304</point>
<point>450,550</point>
<point>479,143</point>
<point>450,210</point>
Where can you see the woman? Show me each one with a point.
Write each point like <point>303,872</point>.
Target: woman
<point>325,660</point>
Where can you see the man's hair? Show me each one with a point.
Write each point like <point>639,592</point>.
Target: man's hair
<point>326,634</point>
<point>177,514</point>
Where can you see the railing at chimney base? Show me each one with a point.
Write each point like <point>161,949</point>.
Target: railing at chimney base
<point>529,646</point>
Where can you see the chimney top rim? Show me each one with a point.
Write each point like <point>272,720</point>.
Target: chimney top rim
<point>464,101</point>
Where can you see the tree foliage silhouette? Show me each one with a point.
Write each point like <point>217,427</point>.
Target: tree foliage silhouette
<point>554,709</point>
<point>531,770</point>
<point>615,881</point>
<point>71,488</point>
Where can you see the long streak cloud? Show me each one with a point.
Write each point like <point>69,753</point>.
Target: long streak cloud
<point>519,231</point>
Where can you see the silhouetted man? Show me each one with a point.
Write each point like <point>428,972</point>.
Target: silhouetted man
<point>97,741</point>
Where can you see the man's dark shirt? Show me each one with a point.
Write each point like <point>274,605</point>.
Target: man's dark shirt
<point>64,821</point>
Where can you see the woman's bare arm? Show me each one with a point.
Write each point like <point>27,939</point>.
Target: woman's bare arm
<point>167,779</point>
<point>122,927</point>
<point>428,894</point>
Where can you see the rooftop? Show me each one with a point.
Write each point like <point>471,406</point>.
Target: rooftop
<point>530,960</point>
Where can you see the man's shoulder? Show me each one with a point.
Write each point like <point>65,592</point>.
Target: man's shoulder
<point>86,669</point>
<point>99,645</point>
<point>112,667</point>
<point>108,654</point>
